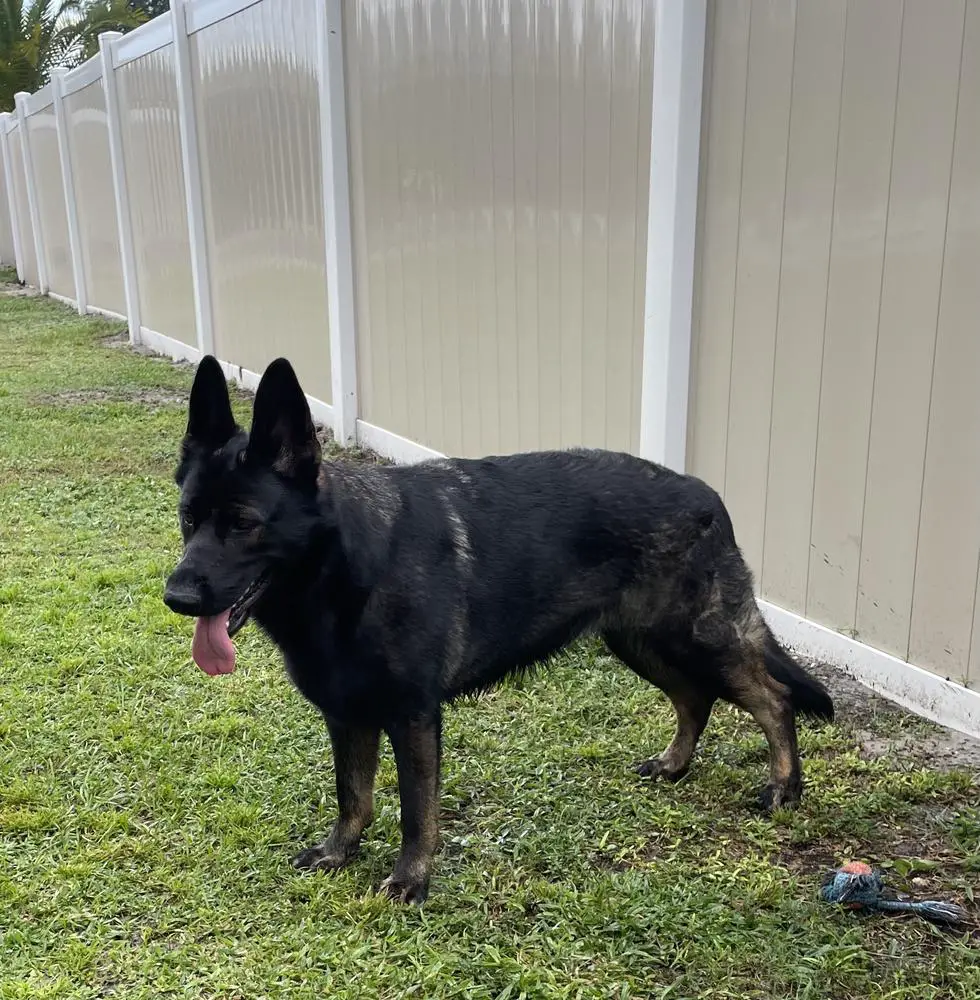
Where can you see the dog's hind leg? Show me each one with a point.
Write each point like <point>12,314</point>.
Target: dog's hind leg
<point>769,703</point>
<point>738,636</point>
<point>355,756</point>
<point>692,702</point>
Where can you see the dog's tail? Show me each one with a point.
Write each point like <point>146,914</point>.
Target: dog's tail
<point>809,696</point>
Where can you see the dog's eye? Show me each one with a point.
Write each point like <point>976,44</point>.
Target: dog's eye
<point>186,521</point>
<point>243,520</point>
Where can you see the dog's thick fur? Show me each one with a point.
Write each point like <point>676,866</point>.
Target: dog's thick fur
<point>391,591</point>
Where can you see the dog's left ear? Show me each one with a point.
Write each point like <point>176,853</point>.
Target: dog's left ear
<point>210,423</point>
<point>283,437</point>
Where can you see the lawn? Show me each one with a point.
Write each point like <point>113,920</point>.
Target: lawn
<point>148,813</point>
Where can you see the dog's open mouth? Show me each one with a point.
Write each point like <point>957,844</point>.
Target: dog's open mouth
<point>213,650</point>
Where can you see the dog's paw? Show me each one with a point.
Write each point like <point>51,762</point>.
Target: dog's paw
<point>657,767</point>
<point>775,796</point>
<point>405,889</point>
<point>322,857</point>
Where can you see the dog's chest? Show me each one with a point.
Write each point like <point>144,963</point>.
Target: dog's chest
<point>345,688</point>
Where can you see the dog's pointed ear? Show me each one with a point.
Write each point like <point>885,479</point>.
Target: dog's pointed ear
<point>210,422</point>
<point>283,436</point>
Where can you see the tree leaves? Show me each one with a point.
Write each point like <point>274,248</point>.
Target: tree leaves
<point>37,35</point>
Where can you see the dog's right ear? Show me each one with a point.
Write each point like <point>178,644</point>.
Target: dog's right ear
<point>282,436</point>
<point>210,422</point>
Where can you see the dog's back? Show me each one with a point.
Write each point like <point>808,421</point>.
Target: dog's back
<point>509,558</point>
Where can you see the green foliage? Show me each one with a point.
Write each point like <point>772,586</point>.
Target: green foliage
<point>37,35</point>
<point>151,8</point>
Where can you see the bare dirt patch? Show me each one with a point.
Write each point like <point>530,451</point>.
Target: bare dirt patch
<point>883,729</point>
<point>81,397</point>
<point>121,339</point>
<point>15,290</point>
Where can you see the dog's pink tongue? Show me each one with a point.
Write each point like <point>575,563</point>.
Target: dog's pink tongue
<point>213,650</point>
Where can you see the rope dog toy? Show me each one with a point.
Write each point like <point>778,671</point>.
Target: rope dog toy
<point>856,886</point>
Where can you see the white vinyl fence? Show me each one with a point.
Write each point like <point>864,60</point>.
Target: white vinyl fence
<point>487,226</point>
<point>439,211</point>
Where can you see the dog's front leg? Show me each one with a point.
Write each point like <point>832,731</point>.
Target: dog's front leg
<point>417,745</point>
<point>355,758</point>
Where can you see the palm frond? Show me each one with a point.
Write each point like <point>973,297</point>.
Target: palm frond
<point>36,35</point>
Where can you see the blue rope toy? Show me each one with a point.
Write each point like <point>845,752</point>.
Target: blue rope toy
<point>856,886</point>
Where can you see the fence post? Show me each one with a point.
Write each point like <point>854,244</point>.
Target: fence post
<point>8,175</point>
<point>339,248</point>
<point>675,139</point>
<point>120,187</point>
<point>193,179</point>
<point>57,76</point>
<point>33,207</point>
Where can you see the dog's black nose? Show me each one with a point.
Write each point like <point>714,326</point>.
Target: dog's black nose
<point>182,596</point>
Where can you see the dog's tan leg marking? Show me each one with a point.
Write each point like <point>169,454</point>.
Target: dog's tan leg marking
<point>355,755</point>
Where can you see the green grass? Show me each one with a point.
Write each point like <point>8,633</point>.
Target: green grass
<point>148,812</point>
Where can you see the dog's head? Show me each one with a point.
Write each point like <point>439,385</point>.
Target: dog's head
<point>245,503</point>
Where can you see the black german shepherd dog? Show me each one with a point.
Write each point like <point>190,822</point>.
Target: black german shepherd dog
<point>391,591</point>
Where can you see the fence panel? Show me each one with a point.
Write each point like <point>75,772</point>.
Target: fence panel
<point>89,140</point>
<point>7,254</point>
<point>151,149</point>
<point>835,394</point>
<point>43,136</point>
<point>256,95</point>
<point>945,626</point>
<point>499,171</point>
<point>23,208</point>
